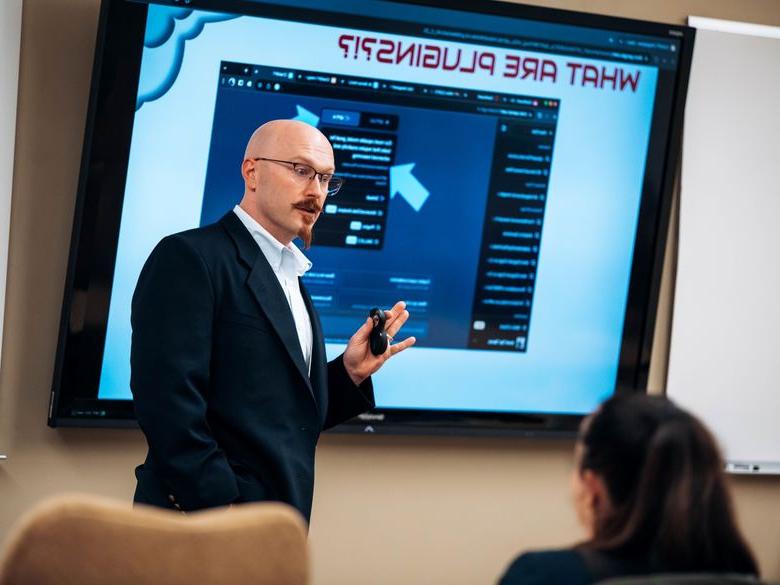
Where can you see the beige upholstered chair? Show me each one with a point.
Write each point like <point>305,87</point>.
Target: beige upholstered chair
<point>90,540</point>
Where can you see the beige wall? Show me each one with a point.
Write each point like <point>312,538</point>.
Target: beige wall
<point>388,510</point>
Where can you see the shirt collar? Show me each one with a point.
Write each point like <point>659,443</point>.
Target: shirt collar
<point>281,258</point>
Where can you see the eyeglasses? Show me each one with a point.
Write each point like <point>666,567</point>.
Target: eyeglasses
<point>305,173</point>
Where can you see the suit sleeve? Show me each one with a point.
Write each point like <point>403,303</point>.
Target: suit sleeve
<point>345,400</point>
<point>172,319</point>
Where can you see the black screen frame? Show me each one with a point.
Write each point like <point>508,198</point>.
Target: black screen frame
<point>99,203</point>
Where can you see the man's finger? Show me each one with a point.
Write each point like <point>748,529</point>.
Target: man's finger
<point>399,347</point>
<point>397,323</point>
<point>392,314</point>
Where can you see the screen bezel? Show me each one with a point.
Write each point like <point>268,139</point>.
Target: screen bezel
<point>100,196</point>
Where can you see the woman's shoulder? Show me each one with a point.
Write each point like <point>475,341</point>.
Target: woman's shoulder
<point>548,567</point>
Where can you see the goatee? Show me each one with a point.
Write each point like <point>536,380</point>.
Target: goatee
<point>306,234</point>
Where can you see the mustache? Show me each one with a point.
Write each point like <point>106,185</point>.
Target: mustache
<point>309,205</point>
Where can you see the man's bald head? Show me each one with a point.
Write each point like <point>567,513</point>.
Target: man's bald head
<point>278,136</point>
<point>283,201</point>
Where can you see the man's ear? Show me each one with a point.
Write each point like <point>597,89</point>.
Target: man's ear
<point>249,173</point>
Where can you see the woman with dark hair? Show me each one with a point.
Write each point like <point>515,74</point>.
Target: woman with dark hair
<point>650,490</point>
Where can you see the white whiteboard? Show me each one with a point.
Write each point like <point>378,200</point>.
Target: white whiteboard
<point>10,37</point>
<point>724,362</point>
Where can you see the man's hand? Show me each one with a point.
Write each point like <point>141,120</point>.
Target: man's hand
<point>359,362</point>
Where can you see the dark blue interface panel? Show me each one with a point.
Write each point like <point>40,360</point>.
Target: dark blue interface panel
<point>443,205</point>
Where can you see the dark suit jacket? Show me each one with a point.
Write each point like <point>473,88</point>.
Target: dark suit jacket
<point>220,386</point>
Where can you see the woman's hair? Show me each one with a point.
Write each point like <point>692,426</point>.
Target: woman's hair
<point>664,476</point>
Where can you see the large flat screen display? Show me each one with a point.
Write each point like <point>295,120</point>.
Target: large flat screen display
<point>508,171</point>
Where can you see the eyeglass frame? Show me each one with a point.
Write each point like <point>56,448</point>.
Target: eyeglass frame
<point>315,173</point>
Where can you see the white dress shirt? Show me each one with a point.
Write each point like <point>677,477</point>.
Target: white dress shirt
<point>288,263</point>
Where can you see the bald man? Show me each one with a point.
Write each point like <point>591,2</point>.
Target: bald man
<point>228,370</point>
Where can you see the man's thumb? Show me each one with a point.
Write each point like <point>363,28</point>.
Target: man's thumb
<point>361,335</point>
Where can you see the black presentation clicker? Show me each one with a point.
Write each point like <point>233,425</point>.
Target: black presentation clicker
<point>378,338</point>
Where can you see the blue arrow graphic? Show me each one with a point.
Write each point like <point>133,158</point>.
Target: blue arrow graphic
<point>403,182</point>
<point>305,115</point>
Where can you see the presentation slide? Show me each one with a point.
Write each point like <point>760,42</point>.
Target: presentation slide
<point>496,191</point>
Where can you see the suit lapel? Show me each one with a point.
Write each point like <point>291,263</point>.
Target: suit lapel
<point>268,293</point>
<point>319,374</point>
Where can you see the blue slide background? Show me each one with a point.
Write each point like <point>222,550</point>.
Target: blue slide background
<point>589,229</point>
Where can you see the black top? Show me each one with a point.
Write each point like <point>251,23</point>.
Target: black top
<point>571,567</point>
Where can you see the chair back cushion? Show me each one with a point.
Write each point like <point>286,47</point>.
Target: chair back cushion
<point>90,540</point>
